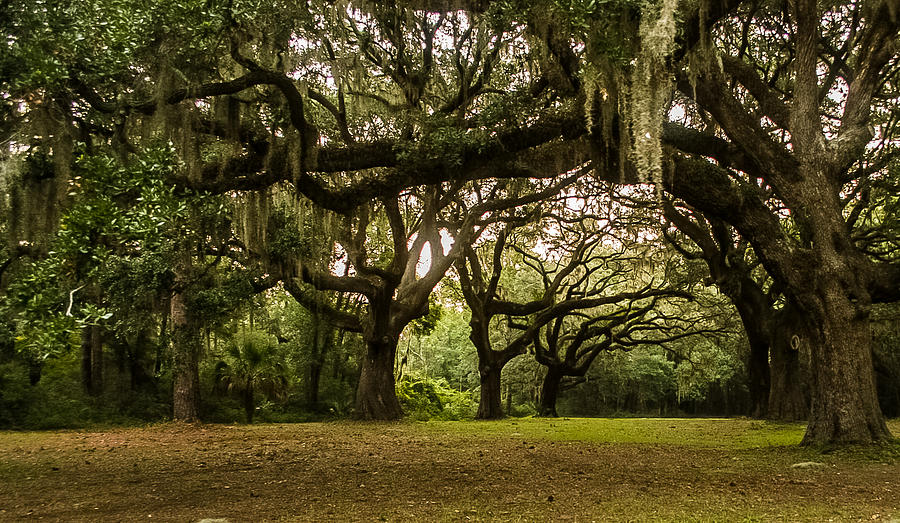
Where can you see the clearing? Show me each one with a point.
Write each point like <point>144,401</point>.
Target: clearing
<point>511,470</point>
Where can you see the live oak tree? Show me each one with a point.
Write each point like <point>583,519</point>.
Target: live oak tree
<point>568,345</point>
<point>257,128</point>
<point>386,275</point>
<point>622,316</point>
<point>396,278</point>
<point>617,293</point>
<point>354,103</point>
<point>480,270</point>
<point>776,337</point>
<point>807,135</point>
<point>563,262</point>
<point>797,97</point>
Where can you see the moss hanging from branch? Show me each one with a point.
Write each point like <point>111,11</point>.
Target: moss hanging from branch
<point>36,183</point>
<point>606,89</point>
<point>252,215</point>
<point>651,89</point>
<point>638,91</point>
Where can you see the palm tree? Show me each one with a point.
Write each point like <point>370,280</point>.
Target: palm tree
<point>250,364</point>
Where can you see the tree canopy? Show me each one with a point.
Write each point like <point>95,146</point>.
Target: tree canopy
<point>353,152</point>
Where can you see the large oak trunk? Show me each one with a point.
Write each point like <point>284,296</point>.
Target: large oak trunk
<point>788,398</point>
<point>490,403</point>
<point>844,403</point>
<point>550,393</point>
<point>376,397</point>
<point>490,366</point>
<point>490,370</point>
<point>833,302</point>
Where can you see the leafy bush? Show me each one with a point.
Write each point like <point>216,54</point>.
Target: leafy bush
<point>522,410</point>
<point>14,394</point>
<point>427,399</point>
<point>58,400</point>
<point>458,405</point>
<point>419,399</point>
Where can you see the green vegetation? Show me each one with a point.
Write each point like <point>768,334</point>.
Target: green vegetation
<point>693,432</point>
<point>652,247</point>
<point>283,211</point>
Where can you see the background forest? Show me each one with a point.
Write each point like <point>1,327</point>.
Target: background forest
<point>284,211</point>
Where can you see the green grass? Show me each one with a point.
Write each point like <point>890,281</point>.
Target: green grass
<point>694,432</point>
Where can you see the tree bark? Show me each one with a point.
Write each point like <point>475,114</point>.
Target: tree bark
<point>759,378</point>
<point>490,370</point>
<point>550,392</point>
<point>322,343</point>
<point>92,360</point>
<point>756,313</point>
<point>96,360</point>
<point>833,297</point>
<point>86,367</point>
<point>313,380</point>
<point>788,399</point>
<point>844,404</point>
<point>186,344</point>
<point>376,397</point>
<point>490,402</point>
<point>490,365</point>
<point>249,406</point>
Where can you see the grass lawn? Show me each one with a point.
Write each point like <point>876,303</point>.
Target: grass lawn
<point>511,470</point>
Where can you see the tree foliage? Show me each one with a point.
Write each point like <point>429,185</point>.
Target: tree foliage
<point>194,154</point>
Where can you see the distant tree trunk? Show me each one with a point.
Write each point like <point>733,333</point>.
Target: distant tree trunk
<point>759,376</point>
<point>96,359</point>
<point>86,382</point>
<point>376,397</point>
<point>162,339</point>
<point>187,343</point>
<point>313,383</point>
<point>135,353</point>
<point>550,392</point>
<point>322,343</point>
<point>249,405</point>
<point>887,379</point>
<point>35,368</point>
<point>787,399</point>
<point>92,360</point>
<point>756,313</point>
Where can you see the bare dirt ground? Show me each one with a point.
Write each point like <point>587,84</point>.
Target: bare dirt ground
<point>425,472</point>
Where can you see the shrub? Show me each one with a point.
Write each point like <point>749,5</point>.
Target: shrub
<point>426,399</point>
<point>419,399</point>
